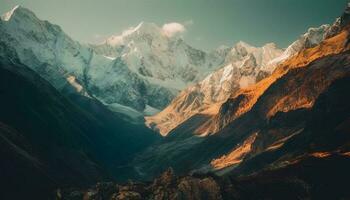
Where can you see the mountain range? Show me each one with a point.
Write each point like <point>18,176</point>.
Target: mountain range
<point>240,122</point>
<point>247,66</point>
<point>221,134</point>
<point>131,70</point>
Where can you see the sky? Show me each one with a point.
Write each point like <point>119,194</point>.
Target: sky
<point>205,24</point>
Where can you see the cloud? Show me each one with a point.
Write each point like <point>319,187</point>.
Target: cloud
<point>173,29</point>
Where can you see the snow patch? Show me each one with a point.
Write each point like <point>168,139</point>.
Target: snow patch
<point>7,16</point>
<point>110,58</point>
<point>227,73</point>
<point>149,111</point>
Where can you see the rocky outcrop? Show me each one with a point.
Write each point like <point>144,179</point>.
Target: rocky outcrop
<point>167,186</point>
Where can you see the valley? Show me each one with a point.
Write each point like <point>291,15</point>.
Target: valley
<point>145,115</point>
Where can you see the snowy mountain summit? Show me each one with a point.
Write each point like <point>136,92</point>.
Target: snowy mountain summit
<point>144,67</point>
<point>159,57</point>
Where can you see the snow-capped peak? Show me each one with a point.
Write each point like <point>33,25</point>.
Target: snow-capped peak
<point>270,45</point>
<point>140,29</point>
<point>20,17</point>
<point>243,48</point>
<point>242,44</point>
<point>311,38</point>
<point>7,16</point>
<point>137,27</point>
<point>146,27</point>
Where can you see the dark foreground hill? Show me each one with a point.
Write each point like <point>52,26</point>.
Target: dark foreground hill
<point>48,140</point>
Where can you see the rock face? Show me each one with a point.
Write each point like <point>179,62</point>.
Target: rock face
<point>271,111</point>
<point>246,66</point>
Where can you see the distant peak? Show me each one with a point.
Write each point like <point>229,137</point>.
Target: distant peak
<point>138,26</point>
<point>146,26</point>
<point>318,29</point>
<point>142,27</point>
<point>14,8</point>
<point>271,45</point>
<point>133,29</point>
<point>241,43</point>
<point>20,11</point>
<point>7,16</point>
<point>244,45</point>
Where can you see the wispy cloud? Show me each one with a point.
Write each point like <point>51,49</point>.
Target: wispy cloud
<point>173,29</point>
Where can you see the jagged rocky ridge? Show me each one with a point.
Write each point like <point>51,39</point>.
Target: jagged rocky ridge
<point>252,120</point>
<point>247,65</point>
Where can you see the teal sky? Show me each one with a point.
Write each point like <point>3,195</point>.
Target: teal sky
<point>209,23</point>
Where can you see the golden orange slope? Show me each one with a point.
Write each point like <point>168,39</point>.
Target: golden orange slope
<point>236,156</point>
<point>331,46</point>
<point>176,113</point>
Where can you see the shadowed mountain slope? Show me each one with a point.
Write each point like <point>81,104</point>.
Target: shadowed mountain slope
<point>47,141</point>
